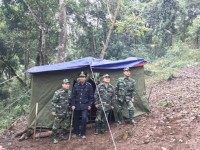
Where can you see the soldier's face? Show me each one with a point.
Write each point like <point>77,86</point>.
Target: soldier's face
<point>82,79</point>
<point>66,86</point>
<point>127,73</point>
<point>106,80</point>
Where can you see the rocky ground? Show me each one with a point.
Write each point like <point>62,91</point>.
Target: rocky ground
<point>173,124</point>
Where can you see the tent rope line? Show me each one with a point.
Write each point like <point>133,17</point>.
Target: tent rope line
<point>114,143</point>
<point>11,78</point>
<point>16,100</point>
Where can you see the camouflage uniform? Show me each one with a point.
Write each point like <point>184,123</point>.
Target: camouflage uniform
<point>107,94</point>
<point>60,105</point>
<point>125,91</point>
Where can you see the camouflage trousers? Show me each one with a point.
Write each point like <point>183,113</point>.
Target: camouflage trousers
<point>100,121</point>
<point>130,107</point>
<point>60,122</point>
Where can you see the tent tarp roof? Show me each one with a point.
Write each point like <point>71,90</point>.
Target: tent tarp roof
<point>89,61</point>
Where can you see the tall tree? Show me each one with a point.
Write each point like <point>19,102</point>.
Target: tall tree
<point>61,56</point>
<point>113,20</point>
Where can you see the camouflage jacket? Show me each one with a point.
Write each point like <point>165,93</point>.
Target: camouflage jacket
<point>61,102</point>
<point>107,95</point>
<point>125,89</point>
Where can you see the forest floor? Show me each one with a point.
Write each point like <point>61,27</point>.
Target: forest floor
<point>173,124</point>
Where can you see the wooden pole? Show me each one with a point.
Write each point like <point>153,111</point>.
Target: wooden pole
<point>70,132</point>
<point>36,117</point>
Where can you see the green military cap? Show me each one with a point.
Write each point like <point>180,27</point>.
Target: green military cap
<point>82,74</point>
<point>126,69</point>
<point>66,81</point>
<point>106,76</point>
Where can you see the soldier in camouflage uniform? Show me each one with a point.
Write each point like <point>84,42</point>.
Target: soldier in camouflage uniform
<point>60,110</point>
<point>104,97</point>
<point>125,92</point>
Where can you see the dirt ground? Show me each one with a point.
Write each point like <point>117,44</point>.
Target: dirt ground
<point>173,124</point>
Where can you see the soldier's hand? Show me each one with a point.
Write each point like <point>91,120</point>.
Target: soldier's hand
<point>73,107</point>
<point>133,99</point>
<point>53,113</point>
<point>89,107</point>
<point>112,107</point>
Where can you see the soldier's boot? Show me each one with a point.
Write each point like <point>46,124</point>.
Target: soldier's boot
<point>102,128</point>
<point>131,117</point>
<point>63,134</point>
<point>55,136</point>
<point>120,118</point>
<point>55,141</point>
<point>97,128</point>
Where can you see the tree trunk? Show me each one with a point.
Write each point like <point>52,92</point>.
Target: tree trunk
<point>62,32</point>
<point>105,44</point>
<point>43,46</point>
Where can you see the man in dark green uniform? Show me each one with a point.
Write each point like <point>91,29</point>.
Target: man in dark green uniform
<point>125,92</point>
<point>104,97</point>
<point>60,110</point>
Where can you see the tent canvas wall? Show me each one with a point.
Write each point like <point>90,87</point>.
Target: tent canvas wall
<point>47,79</point>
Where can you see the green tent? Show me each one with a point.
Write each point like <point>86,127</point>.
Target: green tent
<point>47,79</point>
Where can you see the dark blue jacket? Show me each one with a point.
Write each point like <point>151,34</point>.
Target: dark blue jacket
<point>82,95</point>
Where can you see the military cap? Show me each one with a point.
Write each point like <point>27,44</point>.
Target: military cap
<point>82,74</point>
<point>66,81</point>
<point>106,76</point>
<point>126,69</point>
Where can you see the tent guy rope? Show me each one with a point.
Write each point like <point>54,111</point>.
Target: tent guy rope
<point>114,143</point>
<point>11,79</point>
<point>16,100</point>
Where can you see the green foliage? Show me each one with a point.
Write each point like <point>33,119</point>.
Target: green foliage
<point>17,109</point>
<point>131,25</point>
<point>171,77</point>
<point>194,32</point>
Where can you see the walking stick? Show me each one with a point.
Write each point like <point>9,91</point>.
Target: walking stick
<point>70,132</point>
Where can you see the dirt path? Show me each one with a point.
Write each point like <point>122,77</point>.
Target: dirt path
<point>173,124</point>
